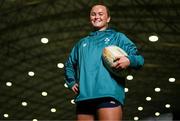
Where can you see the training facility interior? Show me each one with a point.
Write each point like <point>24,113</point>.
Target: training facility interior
<point>36,37</point>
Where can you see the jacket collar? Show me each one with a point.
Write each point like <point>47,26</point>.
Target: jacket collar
<point>108,30</point>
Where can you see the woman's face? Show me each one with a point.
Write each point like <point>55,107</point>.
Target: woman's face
<point>99,17</point>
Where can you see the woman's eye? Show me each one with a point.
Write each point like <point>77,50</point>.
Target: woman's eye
<point>93,14</point>
<point>100,14</point>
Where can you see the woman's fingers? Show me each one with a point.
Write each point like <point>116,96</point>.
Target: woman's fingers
<point>75,88</point>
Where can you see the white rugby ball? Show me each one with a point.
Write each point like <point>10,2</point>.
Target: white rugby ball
<point>110,55</point>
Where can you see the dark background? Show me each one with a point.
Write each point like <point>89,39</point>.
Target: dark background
<point>24,22</point>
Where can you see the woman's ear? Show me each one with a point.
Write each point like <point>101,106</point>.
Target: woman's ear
<point>108,20</point>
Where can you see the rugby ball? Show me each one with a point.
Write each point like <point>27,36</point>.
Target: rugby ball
<point>110,55</point>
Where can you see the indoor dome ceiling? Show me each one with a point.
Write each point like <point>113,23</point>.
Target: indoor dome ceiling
<point>32,69</point>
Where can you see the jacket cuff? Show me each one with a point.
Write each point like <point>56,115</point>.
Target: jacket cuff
<point>132,61</point>
<point>70,82</point>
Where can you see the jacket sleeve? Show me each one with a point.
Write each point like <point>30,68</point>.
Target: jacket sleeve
<point>71,68</point>
<point>136,60</point>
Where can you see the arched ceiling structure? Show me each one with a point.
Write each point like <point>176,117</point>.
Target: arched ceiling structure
<point>24,22</point>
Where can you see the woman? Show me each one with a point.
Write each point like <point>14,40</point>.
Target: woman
<point>99,94</point>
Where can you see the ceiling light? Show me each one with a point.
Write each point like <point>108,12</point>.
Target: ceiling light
<point>157,89</point>
<point>172,79</point>
<point>8,84</point>
<point>24,103</point>
<point>136,118</point>
<point>60,65</point>
<point>167,105</point>
<point>129,77</point>
<point>31,73</point>
<point>157,114</point>
<point>72,101</point>
<point>44,93</point>
<point>6,115</point>
<point>148,98</point>
<point>65,85</point>
<point>153,38</point>
<point>126,89</point>
<point>34,120</point>
<point>44,40</point>
<point>53,110</point>
<point>140,108</point>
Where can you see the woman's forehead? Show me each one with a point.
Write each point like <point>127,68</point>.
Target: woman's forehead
<point>98,7</point>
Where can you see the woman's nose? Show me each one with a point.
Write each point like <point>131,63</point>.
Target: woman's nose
<point>97,16</point>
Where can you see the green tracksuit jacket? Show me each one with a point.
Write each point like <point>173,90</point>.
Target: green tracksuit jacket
<point>85,66</point>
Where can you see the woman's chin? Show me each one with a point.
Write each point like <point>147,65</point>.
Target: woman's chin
<point>97,26</point>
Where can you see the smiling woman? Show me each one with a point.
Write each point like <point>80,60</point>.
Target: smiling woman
<point>99,17</point>
<point>99,94</point>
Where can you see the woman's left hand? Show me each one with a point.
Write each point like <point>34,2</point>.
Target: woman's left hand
<point>122,63</point>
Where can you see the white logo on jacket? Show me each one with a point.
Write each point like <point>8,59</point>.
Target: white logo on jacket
<point>106,40</point>
<point>85,44</point>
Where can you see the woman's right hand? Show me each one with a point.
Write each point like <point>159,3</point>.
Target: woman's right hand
<point>75,88</point>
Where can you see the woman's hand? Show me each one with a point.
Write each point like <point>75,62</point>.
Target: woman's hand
<point>122,63</point>
<point>75,88</point>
